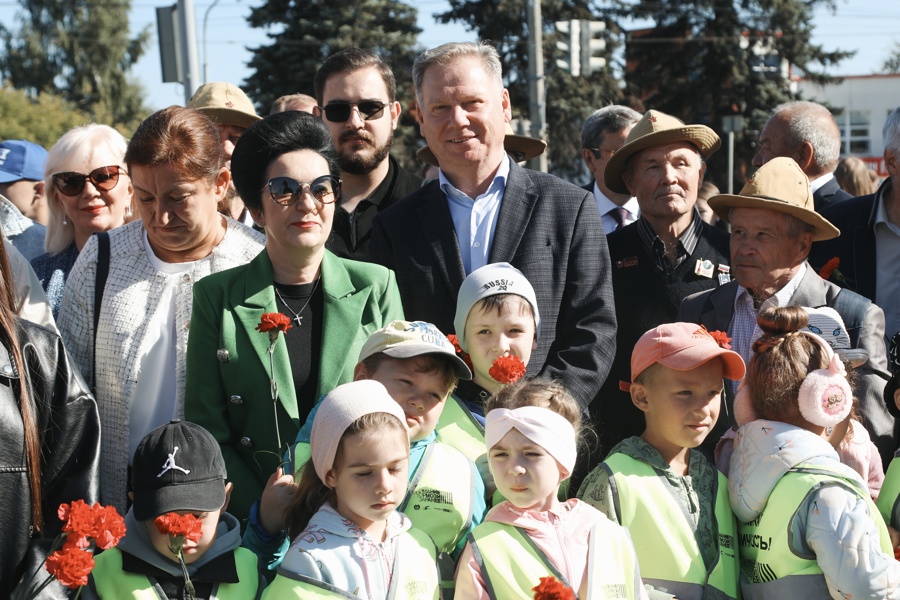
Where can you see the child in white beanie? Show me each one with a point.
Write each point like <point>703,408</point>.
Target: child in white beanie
<point>348,537</point>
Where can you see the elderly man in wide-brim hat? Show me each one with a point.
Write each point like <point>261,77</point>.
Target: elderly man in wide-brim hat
<point>773,225</point>
<point>667,254</point>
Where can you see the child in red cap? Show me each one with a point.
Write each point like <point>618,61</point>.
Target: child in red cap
<point>672,499</point>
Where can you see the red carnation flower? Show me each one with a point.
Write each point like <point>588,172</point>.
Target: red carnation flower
<point>187,526</point>
<point>507,369</point>
<point>829,268</point>
<point>85,522</point>
<point>273,320</point>
<point>721,338</point>
<point>460,352</point>
<point>71,566</point>
<point>551,588</point>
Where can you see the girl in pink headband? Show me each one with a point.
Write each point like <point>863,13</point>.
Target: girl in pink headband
<point>530,433</point>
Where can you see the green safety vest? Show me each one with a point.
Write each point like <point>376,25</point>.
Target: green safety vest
<point>110,581</point>
<point>665,536</point>
<point>459,429</point>
<point>889,498</point>
<point>769,566</point>
<point>415,576</point>
<point>511,564</point>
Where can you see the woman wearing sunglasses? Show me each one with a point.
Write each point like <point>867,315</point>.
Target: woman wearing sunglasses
<point>286,171</point>
<point>135,356</point>
<point>88,190</point>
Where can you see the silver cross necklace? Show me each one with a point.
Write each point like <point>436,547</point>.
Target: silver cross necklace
<point>298,315</point>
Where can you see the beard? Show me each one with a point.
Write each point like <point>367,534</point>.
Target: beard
<point>359,163</point>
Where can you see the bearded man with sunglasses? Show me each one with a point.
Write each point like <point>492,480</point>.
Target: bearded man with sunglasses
<point>356,93</point>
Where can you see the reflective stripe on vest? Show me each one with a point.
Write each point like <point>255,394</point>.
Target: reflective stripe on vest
<point>889,498</point>
<point>111,582</point>
<point>765,549</point>
<point>415,575</point>
<point>511,564</point>
<point>664,533</point>
<point>459,429</point>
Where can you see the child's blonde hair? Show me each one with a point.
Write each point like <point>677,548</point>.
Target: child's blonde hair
<point>312,493</point>
<point>538,392</point>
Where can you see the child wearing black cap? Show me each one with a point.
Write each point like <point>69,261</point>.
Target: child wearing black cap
<point>178,468</point>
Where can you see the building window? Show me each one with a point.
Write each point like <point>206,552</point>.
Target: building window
<point>855,131</point>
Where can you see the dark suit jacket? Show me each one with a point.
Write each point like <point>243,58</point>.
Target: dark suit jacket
<point>548,229</point>
<point>828,194</point>
<point>227,389</point>
<point>715,309</point>
<point>855,247</point>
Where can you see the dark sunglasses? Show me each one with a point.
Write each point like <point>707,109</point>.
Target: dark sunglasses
<point>72,184</point>
<point>286,190</point>
<point>339,112</point>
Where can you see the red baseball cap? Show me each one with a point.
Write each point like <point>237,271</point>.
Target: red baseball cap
<point>684,346</point>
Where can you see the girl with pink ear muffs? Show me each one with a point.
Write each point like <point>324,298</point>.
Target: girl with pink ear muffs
<point>808,527</point>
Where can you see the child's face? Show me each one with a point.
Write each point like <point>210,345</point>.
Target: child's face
<point>680,407</point>
<point>370,481</point>
<point>524,472</point>
<point>420,394</point>
<point>490,335</point>
<point>192,550</point>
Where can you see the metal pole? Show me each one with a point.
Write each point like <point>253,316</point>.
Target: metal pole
<point>191,72</point>
<point>731,162</point>
<point>537,101</point>
<point>206,42</point>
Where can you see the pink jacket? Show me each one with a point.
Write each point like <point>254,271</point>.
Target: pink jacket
<point>562,535</point>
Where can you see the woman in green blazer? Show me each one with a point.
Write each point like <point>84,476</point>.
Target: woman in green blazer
<point>286,171</point>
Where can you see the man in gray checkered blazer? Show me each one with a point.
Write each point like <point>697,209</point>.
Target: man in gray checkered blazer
<point>484,209</point>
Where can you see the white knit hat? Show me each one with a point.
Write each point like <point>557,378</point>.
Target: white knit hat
<point>490,280</point>
<point>338,410</point>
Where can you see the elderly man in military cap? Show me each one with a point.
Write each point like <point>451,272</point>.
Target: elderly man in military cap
<point>664,256</point>
<point>773,225</point>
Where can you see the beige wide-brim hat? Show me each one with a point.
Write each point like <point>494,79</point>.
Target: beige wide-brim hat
<point>656,129</point>
<point>782,186</point>
<point>225,104</point>
<point>523,148</point>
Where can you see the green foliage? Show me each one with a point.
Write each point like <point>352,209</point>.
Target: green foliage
<point>698,63</point>
<point>40,120</point>
<point>79,50</point>
<point>892,62</point>
<point>305,32</point>
<point>570,99</point>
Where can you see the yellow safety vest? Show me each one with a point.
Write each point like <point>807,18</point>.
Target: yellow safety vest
<point>511,564</point>
<point>664,536</point>
<point>111,582</point>
<point>415,575</point>
<point>769,566</point>
<point>888,502</point>
<point>458,428</point>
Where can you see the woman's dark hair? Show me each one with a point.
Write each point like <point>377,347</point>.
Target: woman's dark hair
<point>10,339</point>
<point>782,361</point>
<point>266,140</point>
<point>183,138</point>
<point>312,493</point>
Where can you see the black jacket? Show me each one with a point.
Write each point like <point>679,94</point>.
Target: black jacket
<point>70,447</point>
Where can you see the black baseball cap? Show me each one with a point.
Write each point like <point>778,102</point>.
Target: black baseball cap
<point>178,466</point>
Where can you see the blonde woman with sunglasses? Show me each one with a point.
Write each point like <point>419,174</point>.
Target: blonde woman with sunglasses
<point>88,190</point>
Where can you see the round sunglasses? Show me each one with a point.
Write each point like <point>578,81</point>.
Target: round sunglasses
<point>72,184</point>
<point>286,191</point>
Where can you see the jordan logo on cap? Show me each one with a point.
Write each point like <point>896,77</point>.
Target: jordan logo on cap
<point>170,464</point>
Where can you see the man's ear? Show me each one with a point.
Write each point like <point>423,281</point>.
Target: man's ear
<point>805,156</point>
<point>639,397</point>
<point>228,487</point>
<point>38,190</point>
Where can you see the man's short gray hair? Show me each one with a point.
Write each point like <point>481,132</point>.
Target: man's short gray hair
<point>891,133</point>
<point>809,122</point>
<point>447,53</point>
<point>608,119</point>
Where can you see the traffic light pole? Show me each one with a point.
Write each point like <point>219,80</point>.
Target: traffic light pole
<point>537,96</point>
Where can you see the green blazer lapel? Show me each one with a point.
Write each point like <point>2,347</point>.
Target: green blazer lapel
<point>343,310</point>
<point>256,298</point>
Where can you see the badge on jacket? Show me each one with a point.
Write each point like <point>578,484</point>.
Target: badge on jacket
<point>704,268</point>
<point>724,274</point>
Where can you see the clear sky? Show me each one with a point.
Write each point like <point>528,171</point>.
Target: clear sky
<point>868,26</point>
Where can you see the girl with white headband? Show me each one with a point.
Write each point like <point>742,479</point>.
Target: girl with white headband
<point>530,432</point>
<point>349,540</point>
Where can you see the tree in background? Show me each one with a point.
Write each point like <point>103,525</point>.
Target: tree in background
<point>570,99</point>
<point>80,51</point>
<point>705,59</point>
<point>40,120</point>
<point>892,62</point>
<point>306,32</point>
